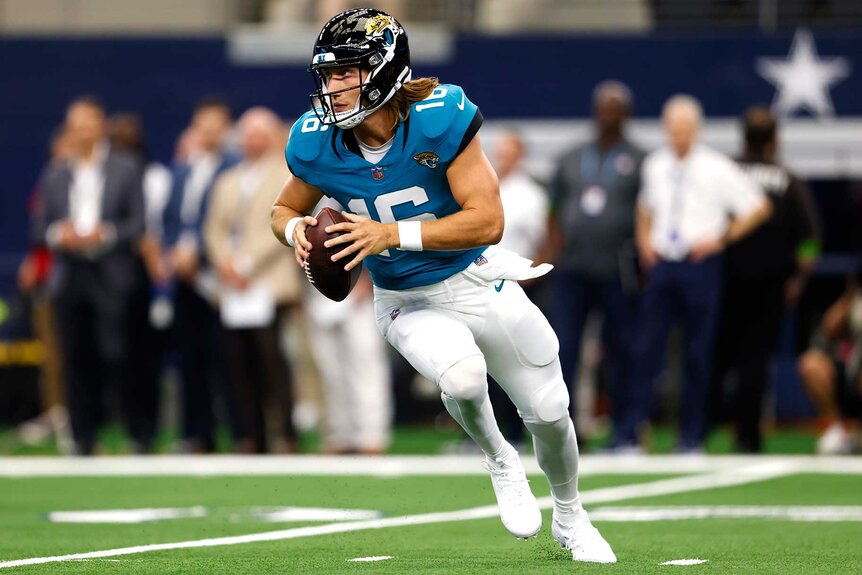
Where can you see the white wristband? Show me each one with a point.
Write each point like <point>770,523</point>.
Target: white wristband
<point>288,230</point>
<point>410,236</point>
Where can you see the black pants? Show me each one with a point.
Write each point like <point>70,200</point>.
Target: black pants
<point>202,366</point>
<point>93,326</point>
<point>140,405</point>
<point>685,291</point>
<point>752,313</point>
<point>260,382</point>
<point>576,295</point>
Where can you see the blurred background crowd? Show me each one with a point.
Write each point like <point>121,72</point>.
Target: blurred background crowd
<point>699,197</point>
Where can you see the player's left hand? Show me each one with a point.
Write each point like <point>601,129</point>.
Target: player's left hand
<point>364,236</point>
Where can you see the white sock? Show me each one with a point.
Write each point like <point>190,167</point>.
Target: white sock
<point>557,452</point>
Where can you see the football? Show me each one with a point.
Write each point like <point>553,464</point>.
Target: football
<point>328,276</point>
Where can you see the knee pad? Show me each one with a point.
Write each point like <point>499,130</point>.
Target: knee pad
<point>466,380</point>
<point>549,403</point>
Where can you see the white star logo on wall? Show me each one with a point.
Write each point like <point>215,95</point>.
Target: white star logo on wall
<point>802,81</point>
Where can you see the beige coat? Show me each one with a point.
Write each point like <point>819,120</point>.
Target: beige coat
<point>258,255</point>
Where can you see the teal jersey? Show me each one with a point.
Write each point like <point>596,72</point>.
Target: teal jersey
<point>408,184</point>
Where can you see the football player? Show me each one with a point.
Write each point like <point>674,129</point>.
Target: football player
<point>403,156</point>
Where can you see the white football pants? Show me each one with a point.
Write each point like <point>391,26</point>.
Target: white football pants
<point>454,324</point>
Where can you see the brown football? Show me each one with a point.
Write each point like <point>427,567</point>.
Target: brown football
<point>328,276</point>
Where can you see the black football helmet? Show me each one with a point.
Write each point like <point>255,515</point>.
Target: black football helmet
<point>367,38</point>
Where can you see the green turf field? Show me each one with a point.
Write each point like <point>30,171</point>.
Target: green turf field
<point>427,440</point>
<point>226,505</point>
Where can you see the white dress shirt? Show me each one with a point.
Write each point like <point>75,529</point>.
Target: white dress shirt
<point>694,198</point>
<point>86,190</point>
<point>157,191</point>
<point>525,209</point>
<point>202,172</point>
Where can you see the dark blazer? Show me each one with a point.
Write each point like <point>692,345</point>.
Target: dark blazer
<point>173,225</point>
<point>122,207</point>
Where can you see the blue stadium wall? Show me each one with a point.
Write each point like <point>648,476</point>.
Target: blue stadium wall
<point>524,77</point>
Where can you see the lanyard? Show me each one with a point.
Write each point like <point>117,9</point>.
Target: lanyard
<point>677,177</point>
<point>598,171</point>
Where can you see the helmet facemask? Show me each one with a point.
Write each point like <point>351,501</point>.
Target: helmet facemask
<point>325,106</point>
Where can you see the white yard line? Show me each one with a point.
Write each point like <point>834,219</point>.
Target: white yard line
<point>392,466</point>
<point>662,487</point>
<point>739,476</point>
<point>268,514</point>
<point>684,562</point>
<point>788,513</point>
<point>127,516</point>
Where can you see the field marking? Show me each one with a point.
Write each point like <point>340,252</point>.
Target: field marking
<point>393,466</point>
<point>685,562</point>
<point>125,515</point>
<point>287,514</point>
<point>740,476</point>
<point>789,513</point>
<point>267,514</point>
<point>369,559</point>
<point>661,487</point>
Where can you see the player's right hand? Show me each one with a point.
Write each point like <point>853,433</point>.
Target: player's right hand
<point>301,245</point>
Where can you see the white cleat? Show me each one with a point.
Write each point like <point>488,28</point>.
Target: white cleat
<point>519,510</point>
<point>835,441</point>
<point>582,539</point>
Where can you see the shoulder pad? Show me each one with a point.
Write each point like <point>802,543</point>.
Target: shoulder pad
<point>443,108</point>
<point>307,138</point>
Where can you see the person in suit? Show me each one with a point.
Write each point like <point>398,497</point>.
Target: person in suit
<point>195,320</point>
<point>250,264</point>
<point>126,133</point>
<point>92,218</point>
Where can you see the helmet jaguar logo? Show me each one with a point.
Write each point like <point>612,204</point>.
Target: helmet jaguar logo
<point>427,159</point>
<point>377,23</point>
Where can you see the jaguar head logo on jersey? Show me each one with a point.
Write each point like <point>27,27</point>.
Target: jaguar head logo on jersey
<point>363,38</point>
<point>427,159</point>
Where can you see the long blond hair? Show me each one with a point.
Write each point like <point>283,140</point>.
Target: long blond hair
<point>410,93</point>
